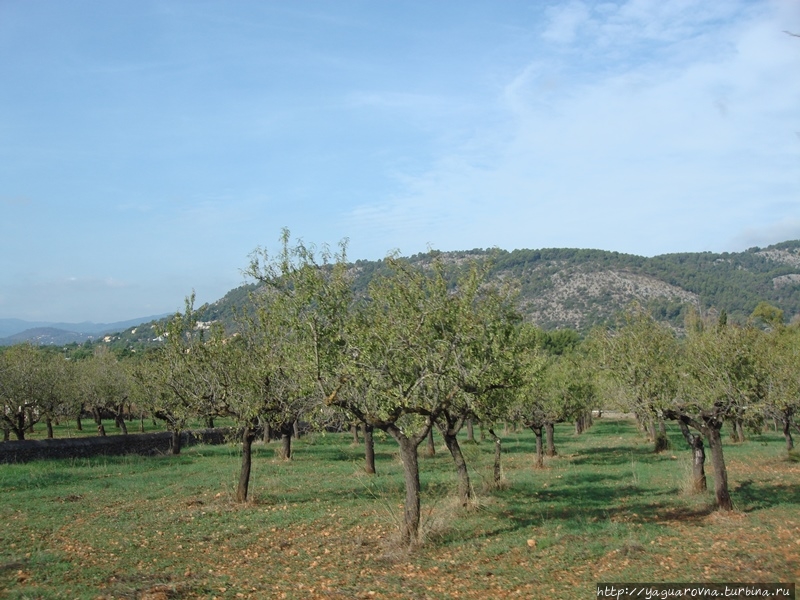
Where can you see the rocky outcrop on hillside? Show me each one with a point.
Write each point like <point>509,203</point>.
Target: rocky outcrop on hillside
<point>789,257</point>
<point>581,299</point>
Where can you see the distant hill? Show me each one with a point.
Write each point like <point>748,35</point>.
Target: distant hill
<point>581,288</point>
<point>559,288</point>
<point>15,331</point>
<point>46,336</point>
<point>9,327</point>
<point>576,288</point>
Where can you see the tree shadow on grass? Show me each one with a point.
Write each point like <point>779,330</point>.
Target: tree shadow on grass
<point>609,428</point>
<point>587,499</point>
<point>347,454</point>
<point>615,455</point>
<point>51,473</point>
<point>513,445</point>
<point>751,495</point>
<point>684,514</point>
<point>584,496</point>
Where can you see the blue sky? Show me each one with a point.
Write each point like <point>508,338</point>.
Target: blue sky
<point>148,146</point>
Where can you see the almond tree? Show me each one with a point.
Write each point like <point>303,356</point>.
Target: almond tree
<point>272,372</point>
<point>350,395</point>
<point>177,381</point>
<point>726,376</point>
<point>104,386</point>
<point>201,371</point>
<point>404,346</point>
<point>58,391</point>
<point>782,353</point>
<point>483,322</point>
<point>646,363</point>
<point>640,357</point>
<point>27,387</point>
<point>244,391</point>
<point>556,388</point>
<point>297,335</point>
<point>153,390</point>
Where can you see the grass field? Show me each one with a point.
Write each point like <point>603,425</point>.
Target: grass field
<point>606,509</point>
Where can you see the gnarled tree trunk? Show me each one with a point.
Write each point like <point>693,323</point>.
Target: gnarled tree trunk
<point>579,425</point>
<point>267,432</point>
<point>661,441</point>
<point>248,435</point>
<point>449,431</point>
<point>175,444</point>
<point>498,473</point>
<point>430,447</point>
<point>718,461</point>
<point>17,424</point>
<point>709,425</point>
<point>738,430</point>
<point>369,450</point>
<point>287,429</point>
<point>120,422</point>
<point>537,431</point>
<point>787,433</point>
<point>549,429</point>
<point>98,419</point>
<point>651,429</point>
<point>695,442</point>
<point>409,530</point>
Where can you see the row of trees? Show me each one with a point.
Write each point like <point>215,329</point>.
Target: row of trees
<point>422,348</point>
<point>716,373</point>
<point>425,347</point>
<point>40,385</point>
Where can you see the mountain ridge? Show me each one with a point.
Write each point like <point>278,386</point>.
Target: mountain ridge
<point>15,331</point>
<point>580,288</point>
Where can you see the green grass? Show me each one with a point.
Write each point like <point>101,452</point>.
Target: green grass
<point>605,509</point>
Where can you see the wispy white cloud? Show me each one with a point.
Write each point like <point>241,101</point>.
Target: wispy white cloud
<point>661,153</point>
<point>564,21</point>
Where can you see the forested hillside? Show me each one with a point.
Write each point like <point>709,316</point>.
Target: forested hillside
<point>572,288</point>
<point>581,288</point>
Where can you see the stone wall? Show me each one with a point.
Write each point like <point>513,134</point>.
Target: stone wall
<point>135,443</point>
